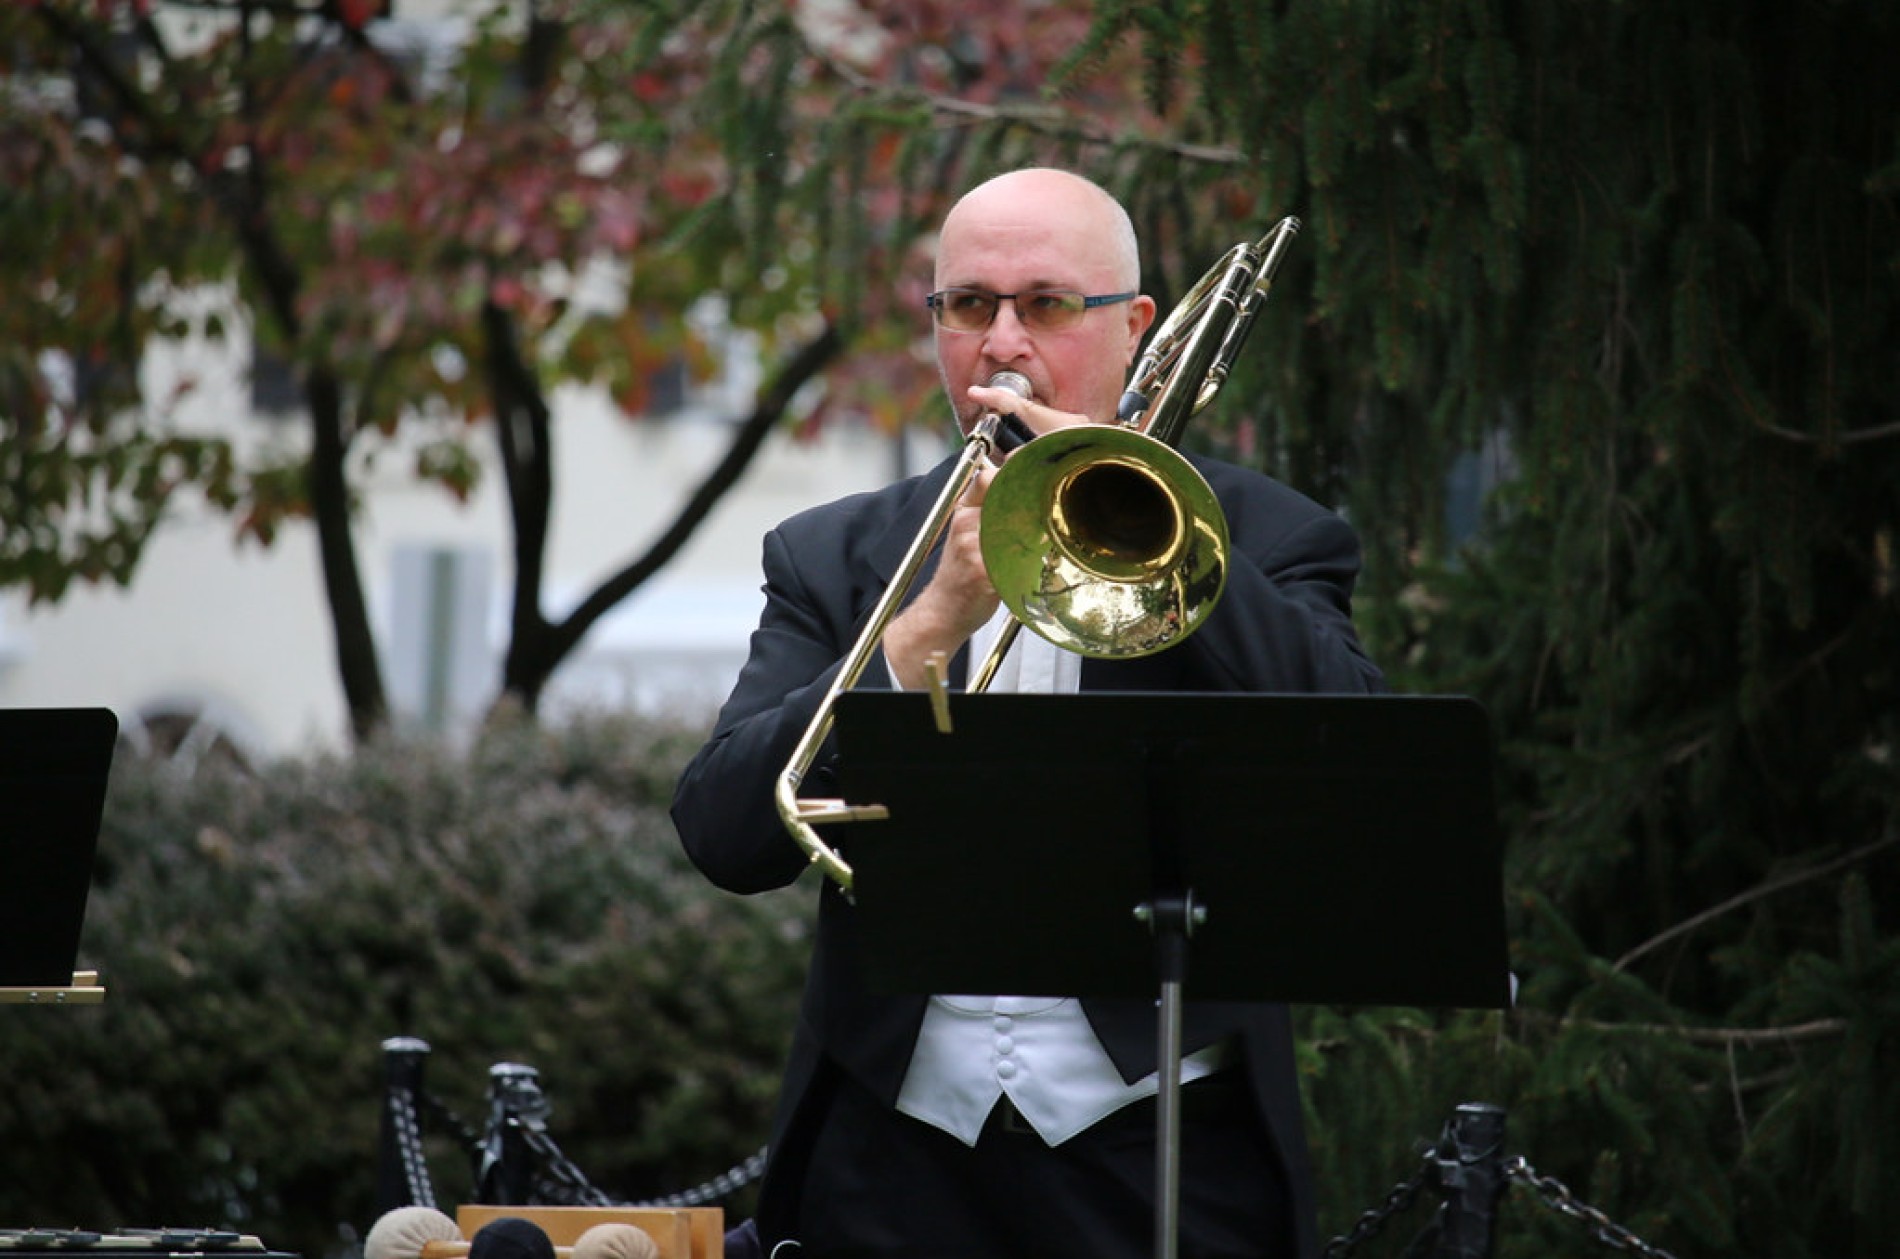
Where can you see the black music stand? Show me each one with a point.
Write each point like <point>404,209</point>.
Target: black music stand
<point>54,765</point>
<point>1327,849</point>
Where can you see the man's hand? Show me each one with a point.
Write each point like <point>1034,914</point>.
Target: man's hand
<point>957,600</point>
<point>1040,419</point>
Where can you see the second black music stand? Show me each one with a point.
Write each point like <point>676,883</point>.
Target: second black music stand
<point>1327,849</point>
<point>54,768</point>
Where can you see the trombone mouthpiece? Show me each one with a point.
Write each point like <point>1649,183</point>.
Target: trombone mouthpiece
<point>1015,382</point>
<point>1011,432</point>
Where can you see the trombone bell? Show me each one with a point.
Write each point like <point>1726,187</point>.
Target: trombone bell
<point>1104,541</point>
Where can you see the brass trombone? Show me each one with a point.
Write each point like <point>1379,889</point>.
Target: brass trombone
<point>1101,538</point>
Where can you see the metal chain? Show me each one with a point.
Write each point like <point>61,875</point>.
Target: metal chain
<point>465,1135</point>
<point>1557,1196</point>
<point>1553,1192</point>
<point>721,1186</point>
<point>566,1184</point>
<point>408,1130</point>
<point>1372,1221</point>
<point>561,1181</point>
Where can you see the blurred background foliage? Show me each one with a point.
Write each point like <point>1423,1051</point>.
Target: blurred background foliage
<point>260,936</point>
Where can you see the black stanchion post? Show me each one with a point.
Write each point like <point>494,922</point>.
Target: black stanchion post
<point>402,1179</point>
<point>505,1176</point>
<point>1471,1178</point>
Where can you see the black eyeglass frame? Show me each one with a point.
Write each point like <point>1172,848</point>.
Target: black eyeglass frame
<point>935,303</point>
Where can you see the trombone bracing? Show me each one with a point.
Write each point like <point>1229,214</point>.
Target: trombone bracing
<point>1101,538</point>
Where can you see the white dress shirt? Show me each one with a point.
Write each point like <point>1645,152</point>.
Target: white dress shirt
<point>1040,1051</point>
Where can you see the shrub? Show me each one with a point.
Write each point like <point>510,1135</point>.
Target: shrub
<point>260,936</point>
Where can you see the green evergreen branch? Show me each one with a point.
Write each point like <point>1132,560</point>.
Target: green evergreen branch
<point>1746,1037</point>
<point>1849,437</point>
<point>1768,888</point>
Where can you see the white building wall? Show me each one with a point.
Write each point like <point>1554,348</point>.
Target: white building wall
<point>241,634</point>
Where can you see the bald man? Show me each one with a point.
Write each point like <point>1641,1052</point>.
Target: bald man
<point>979,1125</point>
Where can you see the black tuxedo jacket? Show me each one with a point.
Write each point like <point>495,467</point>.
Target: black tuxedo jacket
<point>1283,624</point>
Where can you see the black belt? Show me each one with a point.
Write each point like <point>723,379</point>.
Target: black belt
<point>1219,1097</point>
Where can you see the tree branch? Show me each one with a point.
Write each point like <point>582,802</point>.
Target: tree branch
<point>1850,437</point>
<point>1746,1037</point>
<point>521,429</point>
<point>1777,884</point>
<point>1042,120</point>
<point>766,414</point>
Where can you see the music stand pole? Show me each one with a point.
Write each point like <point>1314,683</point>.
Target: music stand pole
<point>1172,919</point>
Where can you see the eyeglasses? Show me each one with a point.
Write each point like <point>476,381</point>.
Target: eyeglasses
<point>1041,310</point>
